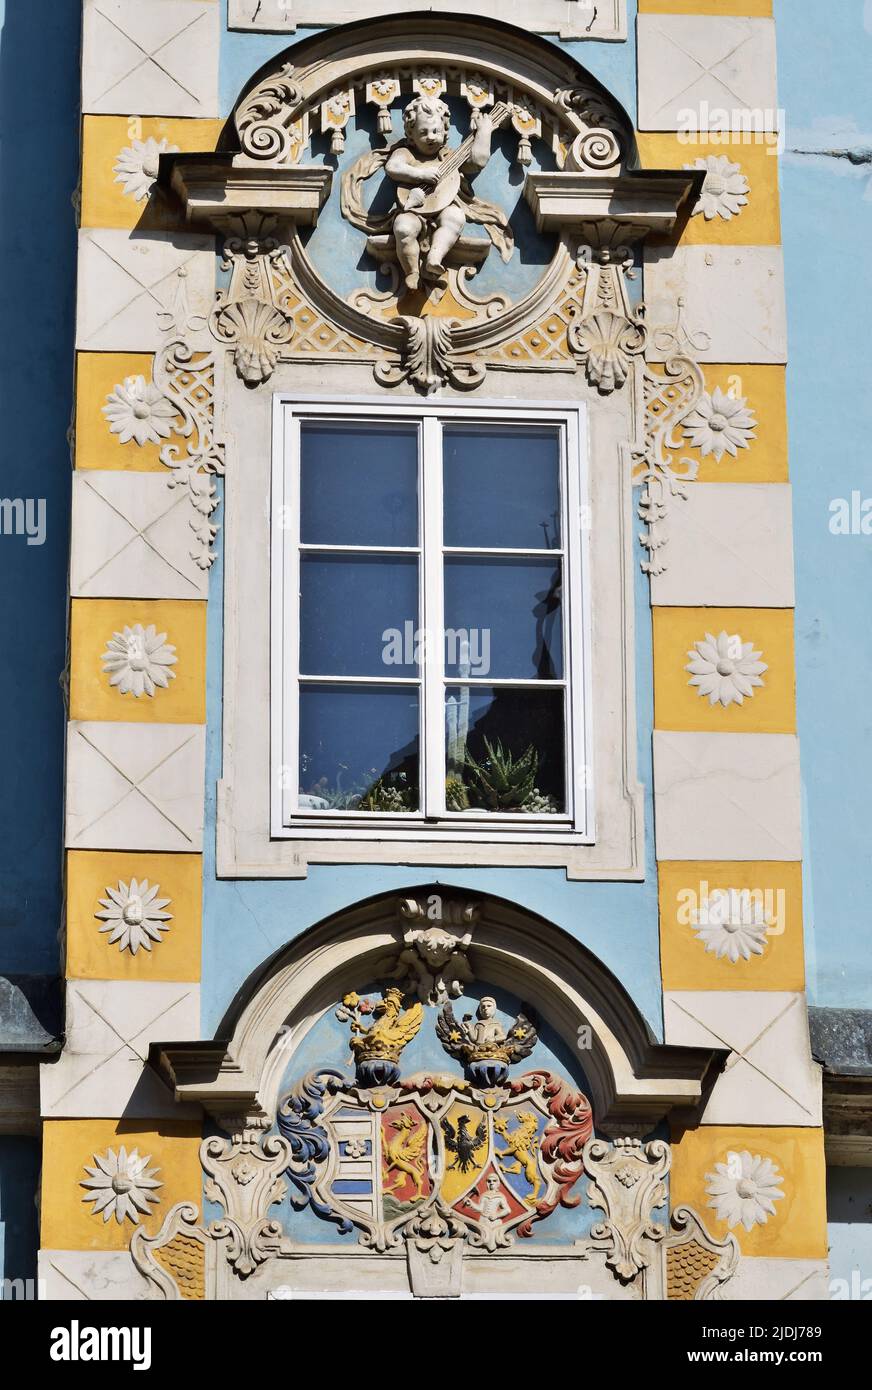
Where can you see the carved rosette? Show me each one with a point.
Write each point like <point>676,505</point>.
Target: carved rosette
<point>628,1184</point>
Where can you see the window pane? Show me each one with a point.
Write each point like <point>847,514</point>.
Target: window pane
<point>358,484</point>
<point>358,615</point>
<point>503,618</point>
<point>505,750</point>
<point>502,488</point>
<point>358,748</point>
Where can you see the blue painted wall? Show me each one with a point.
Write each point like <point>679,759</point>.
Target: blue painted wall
<point>824,60</point>
<point>39,139</point>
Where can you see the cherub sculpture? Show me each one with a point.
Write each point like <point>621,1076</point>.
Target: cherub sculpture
<point>434,963</point>
<point>434,196</point>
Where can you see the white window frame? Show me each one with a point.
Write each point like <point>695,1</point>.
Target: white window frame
<point>286,820</point>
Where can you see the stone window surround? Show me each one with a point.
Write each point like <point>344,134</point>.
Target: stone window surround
<point>245,847</point>
<point>569,418</point>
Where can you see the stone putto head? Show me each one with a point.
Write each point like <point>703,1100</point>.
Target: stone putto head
<point>426,121</point>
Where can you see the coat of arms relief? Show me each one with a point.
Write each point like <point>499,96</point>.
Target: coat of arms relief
<point>437,1127</point>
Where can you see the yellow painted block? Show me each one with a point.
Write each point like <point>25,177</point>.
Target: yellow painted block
<point>104,200</point>
<point>69,1223</point>
<point>764,460</point>
<point>175,957</point>
<point>685,963</point>
<point>97,375</point>
<point>93,623</point>
<point>758,223</point>
<point>678,705</point>
<point>798,1229</point>
<point>760,9</point>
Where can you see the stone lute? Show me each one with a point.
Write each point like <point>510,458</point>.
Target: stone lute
<point>428,203</point>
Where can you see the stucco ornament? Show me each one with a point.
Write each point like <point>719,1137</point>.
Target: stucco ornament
<point>433,197</point>
<point>485,1047</point>
<point>432,963</point>
<point>724,190</point>
<point>138,410</point>
<point>720,424</point>
<point>134,915</point>
<point>628,1184</point>
<point>139,660</point>
<point>136,167</point>
<point>731,924</point>
<point>121,1185</point>
<point>744,1189</point>
<point>725,668</point>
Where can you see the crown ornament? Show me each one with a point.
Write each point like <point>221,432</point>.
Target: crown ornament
<point>376,1048</point>
<point>482,1044</point>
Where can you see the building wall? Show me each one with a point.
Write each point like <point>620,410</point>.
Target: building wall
<point>222,930</point>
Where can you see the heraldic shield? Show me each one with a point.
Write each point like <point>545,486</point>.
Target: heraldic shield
<point>496,1154</point>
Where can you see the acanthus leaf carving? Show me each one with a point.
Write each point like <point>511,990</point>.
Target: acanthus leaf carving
<point>186,376</point>
<point>426,357</point>
<point>627,1185</point>
<point>264,117</point>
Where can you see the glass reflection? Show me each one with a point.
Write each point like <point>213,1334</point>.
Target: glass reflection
<point>359,748</point>
<point>505,750</point>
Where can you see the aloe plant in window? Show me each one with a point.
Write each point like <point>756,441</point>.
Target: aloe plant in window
<point>502,781</point>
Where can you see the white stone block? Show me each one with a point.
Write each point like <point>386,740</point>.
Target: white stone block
<point>132,538</point>
<point>135,786</point>
<point>733,300</point>
<point>83,1276</point>
<point>727,796</point>
<point>151,59</point>
<point>129,286</point>
<point>704,63</point>
<point>760,1280</point>
<point>103,1068</point>
<point>769,1077</point>
<point>730,546</point>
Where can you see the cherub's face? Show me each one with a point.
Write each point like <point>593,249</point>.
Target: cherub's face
<point>487,1008</point>
<point>427,133</point>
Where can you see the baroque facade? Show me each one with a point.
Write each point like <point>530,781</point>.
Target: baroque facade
<point>433,834</point>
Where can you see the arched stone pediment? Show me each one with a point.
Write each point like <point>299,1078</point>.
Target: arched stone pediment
<point>635,1081</point>
<point>398,1155</point>
<point>378,290</point>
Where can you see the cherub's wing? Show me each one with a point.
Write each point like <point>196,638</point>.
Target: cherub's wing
<point>448,1131</point>
<point>521,1038</point>
<point>404,1028</point>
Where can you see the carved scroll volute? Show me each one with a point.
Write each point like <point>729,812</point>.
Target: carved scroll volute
<point>264,118</point>
<point>628,1185</point>
<point>244,1176</point>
